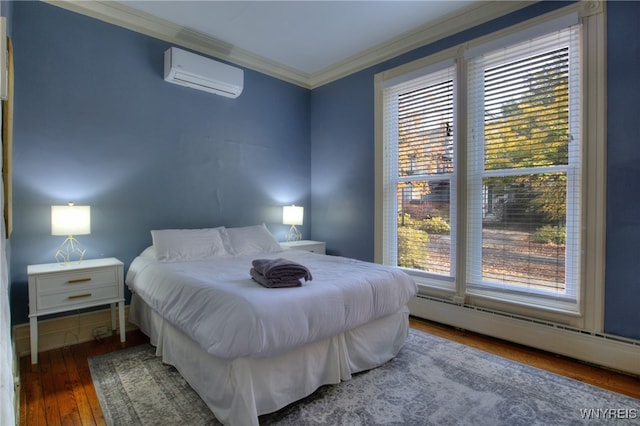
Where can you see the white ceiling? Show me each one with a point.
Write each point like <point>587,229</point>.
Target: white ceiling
<point>305,42</point>
<point>307,36</point>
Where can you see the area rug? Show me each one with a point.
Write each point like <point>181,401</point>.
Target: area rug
<point>432,381</point>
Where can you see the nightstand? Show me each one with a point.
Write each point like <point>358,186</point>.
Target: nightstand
<point>308,245</point>
<point>55,288</point>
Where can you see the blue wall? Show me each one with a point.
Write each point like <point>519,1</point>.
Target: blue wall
<point>342,172</point>
<point>342,149</point>
<point>96,123</point>
<point>622,298</point>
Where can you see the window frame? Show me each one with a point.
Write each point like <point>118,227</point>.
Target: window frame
<point>476,284</point>
<point>588,312</point>
<point>443,71</point>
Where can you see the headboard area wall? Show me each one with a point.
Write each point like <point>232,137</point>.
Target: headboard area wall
<point>95,123</point>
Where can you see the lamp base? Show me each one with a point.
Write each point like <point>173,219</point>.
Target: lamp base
<point>294,234</point>
<point>70,251</point>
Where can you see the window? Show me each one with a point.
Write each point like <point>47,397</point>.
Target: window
<point>524,167</point>
<point>483,176</point>
<point>420,170</point>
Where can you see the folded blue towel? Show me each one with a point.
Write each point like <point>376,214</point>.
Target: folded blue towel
<point>281,268</point>
<point>274,283</point>
<point>276,273</point>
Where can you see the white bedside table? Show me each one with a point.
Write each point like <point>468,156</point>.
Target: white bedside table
<point>308,245</point>
<point>55,288</point>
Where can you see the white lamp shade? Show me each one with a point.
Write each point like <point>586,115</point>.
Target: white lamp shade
<point>292,215</point>
<point>70,220</point>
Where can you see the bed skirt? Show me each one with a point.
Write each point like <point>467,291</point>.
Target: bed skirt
<point>238,391</point>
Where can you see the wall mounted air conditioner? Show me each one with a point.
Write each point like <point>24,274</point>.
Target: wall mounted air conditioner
<point>191,70</point>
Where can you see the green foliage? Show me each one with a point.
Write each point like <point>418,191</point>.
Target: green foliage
<point>551,235</point>
<point>532,131</point>
<point>434,225</point>
<point>412,248</point>
<point>431,225</point>
<point>551,199</point>
<point>405,219</point>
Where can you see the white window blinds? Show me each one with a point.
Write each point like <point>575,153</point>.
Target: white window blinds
<point>515,221</point>
<point>524,166</point>
<point>419,170</point>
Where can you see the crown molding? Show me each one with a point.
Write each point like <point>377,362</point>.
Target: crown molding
<point>135,20</point>
<point>118,14</point>
<point>453,23</point>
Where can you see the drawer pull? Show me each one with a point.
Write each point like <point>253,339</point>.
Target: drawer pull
<point>80,296</point>
<point>79,280</point>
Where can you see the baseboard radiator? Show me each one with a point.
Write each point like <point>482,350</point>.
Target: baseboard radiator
<point>614,352</point>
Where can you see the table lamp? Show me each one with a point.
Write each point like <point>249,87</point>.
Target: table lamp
<point>70,220</point>
<point>292,215</point>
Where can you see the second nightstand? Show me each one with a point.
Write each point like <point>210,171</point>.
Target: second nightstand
<point>55,288</point>
<point>308,245</point>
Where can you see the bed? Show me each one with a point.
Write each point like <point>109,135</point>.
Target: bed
<point>249,350</point>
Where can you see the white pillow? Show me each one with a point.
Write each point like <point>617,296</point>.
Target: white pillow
<point>183,245</point>
<point>250,240</point>
<point>149,252</point>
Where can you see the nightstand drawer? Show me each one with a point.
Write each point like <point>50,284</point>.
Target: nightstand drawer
<point>79,296</point>
<point>307,245</point>
<point>315,248</point>
<point>76,280</point>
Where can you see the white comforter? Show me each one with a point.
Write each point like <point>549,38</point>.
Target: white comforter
<point>218,305</point>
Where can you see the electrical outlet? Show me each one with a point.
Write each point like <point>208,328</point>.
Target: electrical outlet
<point>101,332</point>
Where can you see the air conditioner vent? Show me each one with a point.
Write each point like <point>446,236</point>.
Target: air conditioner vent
<point>195,71</point>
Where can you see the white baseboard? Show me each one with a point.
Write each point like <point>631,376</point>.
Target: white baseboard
<point>604,350</point>
<point>64,331</point>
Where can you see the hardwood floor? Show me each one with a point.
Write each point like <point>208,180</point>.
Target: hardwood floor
<point>59,391</point>
<point>613,381</point>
